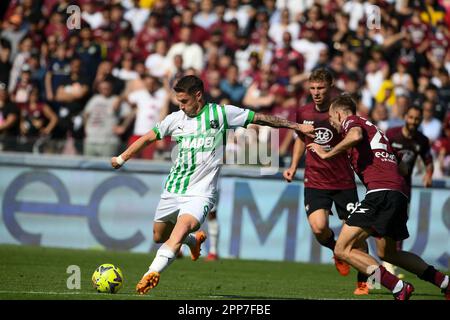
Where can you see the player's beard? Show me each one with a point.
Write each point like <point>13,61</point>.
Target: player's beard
<point>412,129</point>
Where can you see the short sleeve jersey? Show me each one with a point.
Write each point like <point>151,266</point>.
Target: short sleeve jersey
<point>408,149</point>
<point>373,158</point>
<point>323,174</point>
<point>200,142</point>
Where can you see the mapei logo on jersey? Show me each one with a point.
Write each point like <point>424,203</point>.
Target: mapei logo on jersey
<point>196,143</point>
<point>323,135</point>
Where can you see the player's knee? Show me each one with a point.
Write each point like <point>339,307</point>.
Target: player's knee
<point>319,229</point>
<point>340,251</point>
<point>158,237</point>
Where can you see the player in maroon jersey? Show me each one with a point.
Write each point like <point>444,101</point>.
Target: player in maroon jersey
<point>326,182</point>
<point>408,143</point>
<point>383,212</point>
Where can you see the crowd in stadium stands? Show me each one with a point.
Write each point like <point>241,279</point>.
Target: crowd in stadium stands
<point>96,86</point>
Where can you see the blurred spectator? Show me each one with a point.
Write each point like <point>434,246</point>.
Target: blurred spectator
<point>89,53</point>
<point>57,26</point>
<point>136,15</point>
<point>25,46</point>
<point>314,19</point>
<point>439,44</point>
<point>91,14</point>
<point>5,63</point>
<point>241,13</point>
<point>71,95</point>
<point>186,19</point>
<point>359,41</point>
<point>309,46</point>
<point>386,93</point>
<point>9,121</point>
<point>232,87</point>
<point>259,95</point>
<point>242,54</point>
<point>418,31</point>
<point>401,78</point>
<point>122,45</point>
<point>117,22</point>
<point>342,33</point>
<point>58,69</point>
<point>285,107</point>
<point>398,110</point>
<point>440,106</point>
<point>444,90</point>
<point>355,9</point>
<point>191,52</point>
<point>295,7</point>
<point>157,63</point>
<point>104,72</point>
<point>150,101</point>
<point>101,117</point>
<point>37,123</point>
<point>206,17</point>
<point>379,116</point>
<point>253,73</point>
<point>277,30</point>
<point>430,127</point>
<point>21,93</point>
<point>212,64</point>
<point>126,71</point>
<point>442,149</point>
<point>433,12</point>
<point>13,33</point>
<point>284,56</point>
<point>149,35</point>
<point>265,50</point>
<point>214,93</point>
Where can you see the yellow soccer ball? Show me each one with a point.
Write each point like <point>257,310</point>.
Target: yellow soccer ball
<point>107,278</point>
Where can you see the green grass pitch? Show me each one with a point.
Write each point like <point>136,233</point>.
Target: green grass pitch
<point>40,273</point>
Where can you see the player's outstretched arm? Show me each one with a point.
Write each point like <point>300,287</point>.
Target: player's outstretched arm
<point>353,137</point>
<point>276,122</point>
<point>297,153</point>
<point>136,147</point>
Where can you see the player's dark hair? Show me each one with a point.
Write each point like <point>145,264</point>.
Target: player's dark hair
<point>321,75</point>
<point>189,84</point>
<point>415,107</point>
<point>344,102</point>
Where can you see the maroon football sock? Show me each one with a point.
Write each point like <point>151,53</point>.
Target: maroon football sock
<point>433,276</point>
<point>387,279</point>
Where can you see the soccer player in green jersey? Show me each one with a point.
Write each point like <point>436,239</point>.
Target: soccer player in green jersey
<point>190,189</point>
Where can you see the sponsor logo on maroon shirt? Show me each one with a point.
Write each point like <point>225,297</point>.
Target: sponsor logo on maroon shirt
<point>324,174</point>
<point>373,159</point>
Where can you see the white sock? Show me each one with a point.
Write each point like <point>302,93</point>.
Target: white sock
<point>398,287</point>
<point>190,240</point>
<point>213,232</point>
<point>164,257</point>
<point>444,283</point>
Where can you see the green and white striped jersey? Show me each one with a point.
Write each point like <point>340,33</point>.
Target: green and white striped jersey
<point>200,142</point>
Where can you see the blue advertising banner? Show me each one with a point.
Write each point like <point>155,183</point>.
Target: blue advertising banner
<point>85,207</point>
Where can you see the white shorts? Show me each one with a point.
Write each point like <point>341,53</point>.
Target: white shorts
<point>172,206</point>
